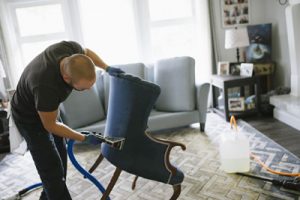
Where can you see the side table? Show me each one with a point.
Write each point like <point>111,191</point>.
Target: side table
<point>225,82</point>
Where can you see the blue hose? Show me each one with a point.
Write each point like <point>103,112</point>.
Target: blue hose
<point>73,160</point>
<point>30,188</point>
<point>81,169</point>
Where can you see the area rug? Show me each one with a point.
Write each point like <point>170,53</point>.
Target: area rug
<point>200,162</point>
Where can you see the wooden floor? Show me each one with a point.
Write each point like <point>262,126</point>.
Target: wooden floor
<point>280,132</point>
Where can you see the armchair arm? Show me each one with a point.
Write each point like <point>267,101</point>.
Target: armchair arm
<point>202,100</point>
<point>170,145</point>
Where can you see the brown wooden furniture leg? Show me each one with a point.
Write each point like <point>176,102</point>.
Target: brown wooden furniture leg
<point>95,165</point>
<point>134,182</point>
<point>177,191</point>
<point>111,183</point>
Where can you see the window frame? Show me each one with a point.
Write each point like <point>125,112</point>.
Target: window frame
<point>73,30</point>
<point>14,40</point>
<point>145,24</point>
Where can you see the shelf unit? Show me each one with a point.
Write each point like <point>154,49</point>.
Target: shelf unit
<point>226,82</point>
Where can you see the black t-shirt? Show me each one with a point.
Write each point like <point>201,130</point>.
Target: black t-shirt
<point>41,86</point>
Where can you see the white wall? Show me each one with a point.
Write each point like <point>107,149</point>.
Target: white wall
<point>261,11</point>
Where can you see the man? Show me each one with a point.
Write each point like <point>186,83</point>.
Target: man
<point>46,82</point>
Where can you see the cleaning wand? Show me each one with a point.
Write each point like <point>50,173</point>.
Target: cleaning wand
<point>287,184</point>
<point>115,142</point>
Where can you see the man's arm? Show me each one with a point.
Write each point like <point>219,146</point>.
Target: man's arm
<point>95,58</point>
<point>57,128</point>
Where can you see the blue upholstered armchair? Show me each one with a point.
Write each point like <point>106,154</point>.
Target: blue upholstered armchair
<point>130,103</point>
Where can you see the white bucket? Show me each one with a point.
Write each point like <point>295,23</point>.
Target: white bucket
<point>235,152</point>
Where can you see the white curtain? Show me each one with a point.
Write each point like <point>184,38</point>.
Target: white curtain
<point>205,60</point>
<point>4,79</point>
<point>124,31</point>
<point>2,76</point>
<point>108,29</point>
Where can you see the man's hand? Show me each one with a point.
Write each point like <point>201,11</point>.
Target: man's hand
<point>113,71</point>
<point>91,138</point>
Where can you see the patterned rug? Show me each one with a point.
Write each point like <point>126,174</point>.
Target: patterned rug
<point>200,162</point>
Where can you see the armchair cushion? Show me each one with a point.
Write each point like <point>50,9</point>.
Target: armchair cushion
<point>176,78</point>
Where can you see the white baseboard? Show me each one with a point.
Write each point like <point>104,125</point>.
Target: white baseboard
<point>287,118</point>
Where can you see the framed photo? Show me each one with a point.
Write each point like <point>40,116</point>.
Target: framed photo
<point>236,104</point>
<point>264,68</point>
<point>223,68</point>
<point>235,68</point>
<point>234,12</point>
<point>246,69</point>
<point>260,48</point>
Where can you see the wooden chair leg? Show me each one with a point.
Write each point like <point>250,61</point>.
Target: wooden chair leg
<point>134,182</point>
<point>95,165</point>
<point>111,183</point>
<point>177,191</point>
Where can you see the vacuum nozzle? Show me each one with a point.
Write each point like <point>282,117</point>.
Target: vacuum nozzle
<point>115,142</point>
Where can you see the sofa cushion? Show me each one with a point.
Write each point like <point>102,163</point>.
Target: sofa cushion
<point>176,78</point>
<point>97,127</point>
<point>82,108</point>
<point>149,72</point>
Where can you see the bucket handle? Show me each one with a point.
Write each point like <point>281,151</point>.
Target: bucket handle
<point>233,122</point>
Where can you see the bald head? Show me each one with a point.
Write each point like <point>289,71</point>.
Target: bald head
<point>79,66</point>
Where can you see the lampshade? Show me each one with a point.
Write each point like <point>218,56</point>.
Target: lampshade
<point>235,38</point>
<point>2,72</point>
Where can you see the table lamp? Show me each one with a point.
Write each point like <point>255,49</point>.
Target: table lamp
<point>236,38</point>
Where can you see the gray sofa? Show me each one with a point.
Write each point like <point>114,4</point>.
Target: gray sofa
<point>180,103</point>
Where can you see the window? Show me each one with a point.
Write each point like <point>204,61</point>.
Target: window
<point>38,27</point>
<point>119,31</point>
<point>34,25</point>
<point>176,28</point>
<point>123,31</point>
<point>170,9</point>
<point>173,40</point>
<point>108,29</point>
<point>172,28</point>
<point>40,20</point>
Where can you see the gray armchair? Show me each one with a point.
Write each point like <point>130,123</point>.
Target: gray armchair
<point>181,102</point>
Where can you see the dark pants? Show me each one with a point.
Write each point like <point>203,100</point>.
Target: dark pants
<point>50,157</point>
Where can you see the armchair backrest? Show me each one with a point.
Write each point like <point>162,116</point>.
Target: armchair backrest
<point>136,69</point>
<point>130,102</point>
<point>176,78</point>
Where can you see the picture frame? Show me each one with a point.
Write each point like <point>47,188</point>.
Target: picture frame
<point>260,47</point>
<point>235,68</point>
<point>223,68</point>
<point>235,13</point>
<point>264,68</point>
<point>236,104</point>
<point>246,69</point>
